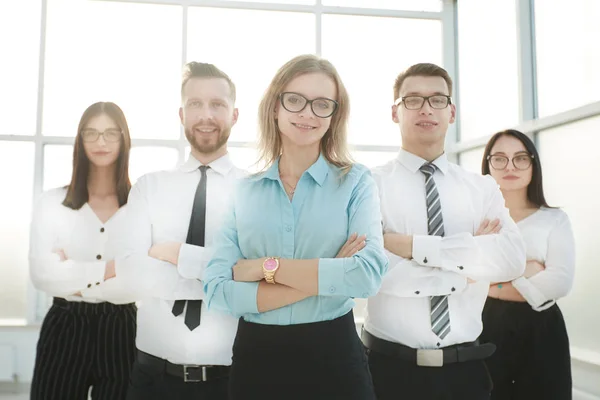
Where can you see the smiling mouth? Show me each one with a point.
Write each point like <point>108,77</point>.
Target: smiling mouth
<point>302,126</point>
<point>206,130</point>
<point>426,124</point>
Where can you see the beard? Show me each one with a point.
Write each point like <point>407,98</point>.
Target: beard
<point>207,145</point>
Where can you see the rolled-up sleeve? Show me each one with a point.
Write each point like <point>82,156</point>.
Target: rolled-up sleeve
<point>360,275</point>
<point>221,291</point>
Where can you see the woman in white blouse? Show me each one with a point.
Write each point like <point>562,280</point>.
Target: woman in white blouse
<point>521,317</point>
<point>87,337</point>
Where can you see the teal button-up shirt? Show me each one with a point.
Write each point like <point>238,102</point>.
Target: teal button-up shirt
<point>325,210</point>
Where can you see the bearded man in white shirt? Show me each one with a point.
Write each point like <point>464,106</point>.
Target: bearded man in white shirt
<point>448,235</point>
<point>183,349</point>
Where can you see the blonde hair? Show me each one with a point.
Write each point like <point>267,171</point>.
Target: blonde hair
<point>334,144</point>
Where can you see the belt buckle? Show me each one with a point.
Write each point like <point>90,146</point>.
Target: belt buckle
<point>186,373</point>
<point>430,357</point>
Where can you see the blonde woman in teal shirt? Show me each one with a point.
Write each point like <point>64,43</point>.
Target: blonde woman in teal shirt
<point>274,262</point>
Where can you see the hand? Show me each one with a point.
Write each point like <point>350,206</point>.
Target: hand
<point>249,270</point>
<point>352,246</point>
<point>488,227</point>
<point>168,251</point>
<point>399,244</point>
<point>109,271</point>
<point>78,294</point>
<point>61,253</point>
<point>532,268</point>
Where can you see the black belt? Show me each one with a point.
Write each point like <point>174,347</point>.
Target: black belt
<point>189,373</point>
<point>429,358</point>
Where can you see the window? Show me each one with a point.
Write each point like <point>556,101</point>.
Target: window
<point>250,57</point>
<point>369,70</point>
<point>568,58</point>
<point>20,48</point>
<point>417,5</point>
<point>143,160</point>
<point>16,162</point>
<point>108,53</point>
<point>488,70</point>
<point>471,159</point>
<point>567,154</point>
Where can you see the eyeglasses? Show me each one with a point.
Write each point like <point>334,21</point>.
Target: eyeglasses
<point>322,107</point>
<point>521,161</point>
<point>438,101</point>
<point>110,135</point>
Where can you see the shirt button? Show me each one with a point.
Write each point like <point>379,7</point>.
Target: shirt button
<point>453,289</point>
<point>425,260</point>
<point>101,230</point>
<point>460,267</point>
<point>98,257</point>
<point>331,289</point>
<point>417,292</point>
<point>288,228</point>
<point>89,285</point>
<point>97,283</point>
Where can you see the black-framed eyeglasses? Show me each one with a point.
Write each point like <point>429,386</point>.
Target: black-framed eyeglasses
<point>520,161</point>
<point>110,135</point>
<point>438,101</point>
<point>322,107</point>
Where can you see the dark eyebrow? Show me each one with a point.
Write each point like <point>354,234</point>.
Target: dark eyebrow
<point>419,94</point>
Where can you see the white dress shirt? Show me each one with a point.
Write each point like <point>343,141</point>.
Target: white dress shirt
<point>87,243</point>
<point>549,239</point>
<point>160,206</point>
<point>400,312</point>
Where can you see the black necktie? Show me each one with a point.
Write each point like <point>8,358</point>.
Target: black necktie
<point>195,236</point>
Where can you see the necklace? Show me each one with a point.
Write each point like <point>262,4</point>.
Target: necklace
<point>292,188</point>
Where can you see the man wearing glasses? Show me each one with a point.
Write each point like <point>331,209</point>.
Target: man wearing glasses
<point>448,235</point>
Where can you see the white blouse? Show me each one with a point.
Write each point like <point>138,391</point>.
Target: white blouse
<point>87,243</point>
<point>549,239</point>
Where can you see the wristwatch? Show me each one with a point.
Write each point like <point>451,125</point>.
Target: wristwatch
<point>270,266</point>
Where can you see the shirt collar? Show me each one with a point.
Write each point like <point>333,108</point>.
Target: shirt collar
<point>318,171</point>
<point>413,162</point>
<point>221,165</point>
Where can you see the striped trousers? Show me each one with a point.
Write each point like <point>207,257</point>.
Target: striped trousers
<point>83,346</point>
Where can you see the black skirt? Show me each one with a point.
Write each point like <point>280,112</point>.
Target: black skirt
<point>322,360</point>
<point>532,359</point>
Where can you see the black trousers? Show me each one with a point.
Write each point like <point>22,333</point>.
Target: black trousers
<point>532,359</point>
<point>84,345</point>
<point>151,382</point>
<point>398,379</point>
<point>316,361</point>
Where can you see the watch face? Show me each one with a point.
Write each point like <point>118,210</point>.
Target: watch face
<point>270,264</point>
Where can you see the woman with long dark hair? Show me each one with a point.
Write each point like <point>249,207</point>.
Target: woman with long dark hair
<point>87,337</point>
<point>521,317</point>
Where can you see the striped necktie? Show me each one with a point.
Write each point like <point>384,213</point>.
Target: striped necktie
<point>440,314</point>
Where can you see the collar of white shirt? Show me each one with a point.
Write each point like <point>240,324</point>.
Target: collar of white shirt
<point>413,162</point>
<point>221,165</point>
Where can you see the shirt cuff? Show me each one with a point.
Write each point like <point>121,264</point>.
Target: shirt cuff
<point>244,301</point>
<point>94,273</point>
<point>331,275</point>
<point>533,296</point>
<point>426,250</point>
<point>192,261</point>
